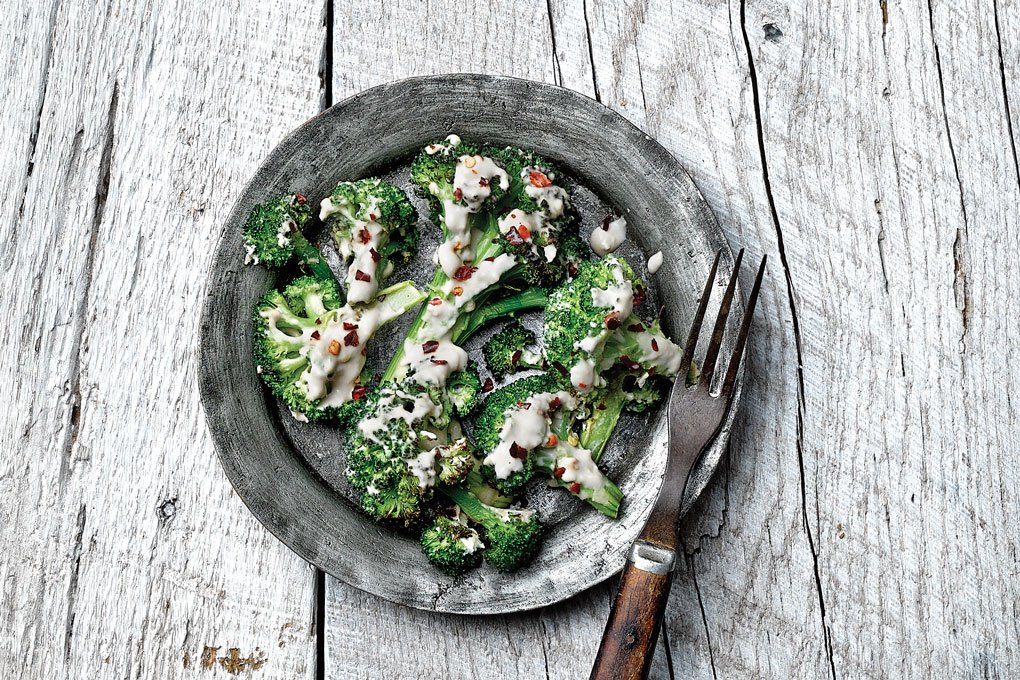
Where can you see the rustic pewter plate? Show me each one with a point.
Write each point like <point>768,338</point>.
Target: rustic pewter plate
<point>290,474</point>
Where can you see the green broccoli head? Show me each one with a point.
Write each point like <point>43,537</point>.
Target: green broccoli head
<point>451,547</point>
<point>283,322</point>
<point>512,537</point>
<point>464,389</point>
<point>374,227</point>
<point>505,351</point>
<point>454,462</point>
<point>434,170</point>
<point>489,427</point>
<point>583,313</point>
<point>271,227</point>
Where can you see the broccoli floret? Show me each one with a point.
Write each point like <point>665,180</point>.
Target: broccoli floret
<point>505,352</point>
<point>489,430</point>
<point>309,347</point>
<point>451,546</point>
<point>465,390</point>
<point>374,227</point>
<point>512,537</point>
<point>273,235</point>
<point>455,462</point>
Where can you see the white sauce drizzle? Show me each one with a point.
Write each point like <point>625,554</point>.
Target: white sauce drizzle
<point>609,236</point>
<point>526,427</point>
<point>472,190</point>
<point>472,543</point>
<point>249,254</point>
<point>553,198</point>
<point>579,467</point>
<point>282,231</point>
<point>366,239</point>
<point>423,466</point>
<point>451,141</point>
<point>654,262</point>
<point>618,298</point>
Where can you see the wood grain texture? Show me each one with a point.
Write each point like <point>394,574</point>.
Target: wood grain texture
<point>862,526</point>
<point>127,131</point>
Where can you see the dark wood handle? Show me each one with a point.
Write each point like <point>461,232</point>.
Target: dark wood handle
<point>629,640</point>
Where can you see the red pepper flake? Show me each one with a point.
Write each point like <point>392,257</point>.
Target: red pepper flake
<point>582,386</point>
<point>371,216</point>
<point>318,321</point>
<point>358,392</point>
<point>517,451</point>
<point>350,326</point>
<point>315,335</point>
<point>458,291</point>
<point>438,362</point>
<point>571,269</point>
<point>524,405</point>
<point>552,441</point>
<point>639,295</point>
<point>538,179</point>
<point>574,488</point>
<point>613,320</point>
<point>429,347</point>
<point>334,347</point>
<point>483,182</point>
<point>524,232</point>
<point>559,472</point>
<point>655,345</point>
<point>514,237</point>
<point>300,199</point>
<point>554,403</point>
<point>362,276</point>
<point>365,235</point>
<point>458,194</point>
<point>491,258</point>
<point>515,357</point>
<point>487,385</point>
<point>629,363</point>
<point>351,339</point>
<point>464,272</point>
<point>636,328</point>
<point>435,302</point>
<point>375,254</point>
<point>601,406</point>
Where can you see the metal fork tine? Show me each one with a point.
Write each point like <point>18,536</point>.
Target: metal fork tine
<point>699,316</point>
<point>720,325</point>
<point>745,326</point>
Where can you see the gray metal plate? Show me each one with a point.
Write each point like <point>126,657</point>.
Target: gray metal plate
<point>291,474</point>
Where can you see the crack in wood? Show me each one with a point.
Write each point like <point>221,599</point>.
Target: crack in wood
<point>669,651</point>
<point>960,289</point>
<point>1005,91</point>
<point>74,379</point>
<point>704,618</point>
<point>557,76</point>
<point>72,585</point>
<point>326,58</point>
<point>591,51</point>
<point>33,137</point>
<point>791,295</point>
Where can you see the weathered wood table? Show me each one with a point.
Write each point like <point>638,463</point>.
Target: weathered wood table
<point>863,525</point>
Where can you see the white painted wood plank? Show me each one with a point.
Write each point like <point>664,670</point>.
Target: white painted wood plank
<point>125,552</point>
<point>879,478</point>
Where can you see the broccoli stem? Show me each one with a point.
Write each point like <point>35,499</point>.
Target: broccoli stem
<point>470,324</point>
<point>472,506</point>
<point>310,256</point>
<point>598,428</point>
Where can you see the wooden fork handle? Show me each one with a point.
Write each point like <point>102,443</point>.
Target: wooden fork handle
<point>628,642</point>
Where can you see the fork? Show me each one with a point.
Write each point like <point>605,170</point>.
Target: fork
<point>695,416</point>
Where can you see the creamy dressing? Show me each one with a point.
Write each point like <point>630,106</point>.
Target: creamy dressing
<point>654,262</point>
<point>282,232</point>
<point>472,543</point>
<point>610,236</point>
<point>659,351</point>
<point>423,466</point>
<point>451,141</point>
<point>541,188</point>
<point>361,251</point>
<point>618,299</point>
<point>578,466</point>
<point>249,254</point>
<point>472,185</point>
<point>333,348</point>
<point>525,428</point>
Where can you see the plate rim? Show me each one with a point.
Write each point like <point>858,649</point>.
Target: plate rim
<point>280,527</point>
